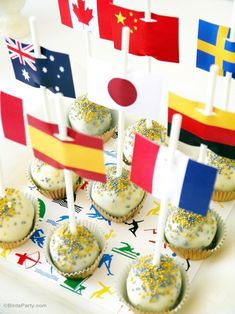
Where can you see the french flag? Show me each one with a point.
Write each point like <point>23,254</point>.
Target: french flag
<point>190,184</point>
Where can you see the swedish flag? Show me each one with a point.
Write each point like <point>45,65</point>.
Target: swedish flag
<point>214,47</point>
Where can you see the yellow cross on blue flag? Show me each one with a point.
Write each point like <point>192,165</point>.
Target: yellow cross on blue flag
<point>214,47</point>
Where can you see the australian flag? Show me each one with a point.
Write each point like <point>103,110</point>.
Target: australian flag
<point>23,61</point>
<point>54,72</point>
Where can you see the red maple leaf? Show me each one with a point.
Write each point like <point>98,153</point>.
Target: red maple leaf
<point>84,15</point>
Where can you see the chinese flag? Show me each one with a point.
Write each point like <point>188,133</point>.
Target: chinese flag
<point>12,118</point>
<point>158,38</point>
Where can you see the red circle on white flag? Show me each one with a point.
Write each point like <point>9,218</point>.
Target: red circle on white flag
<point>122,91</point>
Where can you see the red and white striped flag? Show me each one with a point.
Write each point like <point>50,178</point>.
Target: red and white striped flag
<point>189,185</point>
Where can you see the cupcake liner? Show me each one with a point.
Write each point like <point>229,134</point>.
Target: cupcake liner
<point>53,194</point>
<point>199,254</point>
<point>125,218</point>
<point>99,235</point>
<point>122,292</point>
<point>113,127</point>
<point>223,196</point>
<point>128,163</point>
<point>14,244</point>
<point>108,134</point>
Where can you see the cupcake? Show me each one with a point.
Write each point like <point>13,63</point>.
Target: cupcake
<point>156,134</point>
<point>191,235</point>
<point>118,199</point>
<point>49,180</point>
<point>75,255</point>
<point>18,217</point>
<point>148,288</point>
<point>89,118</point>
<point>225,180</point>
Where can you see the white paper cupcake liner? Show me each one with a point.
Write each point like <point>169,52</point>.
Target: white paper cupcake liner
<point>14,244</point>
<point>122,292</point>
<point>99,235</point>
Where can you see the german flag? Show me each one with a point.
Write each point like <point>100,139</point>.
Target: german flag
<point>82,154</point>
<point>217,131</point>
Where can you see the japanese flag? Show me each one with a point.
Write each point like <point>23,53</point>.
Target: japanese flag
<point>138,93</point>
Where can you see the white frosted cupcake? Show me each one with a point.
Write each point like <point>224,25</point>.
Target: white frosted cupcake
<point>89,118</point>
<point>156,134</point>
<point>18,217</point>
<point>225,180</point>
<point>49,180</point>
<point>118,199</point>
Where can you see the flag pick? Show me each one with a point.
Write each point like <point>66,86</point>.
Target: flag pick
<point>67,173</point>
<point>174,137</point>
<point>37,53</point>
<point>228,76</point>
<point>121,115</point>
<point>209,105</point>
<point>147,17</point>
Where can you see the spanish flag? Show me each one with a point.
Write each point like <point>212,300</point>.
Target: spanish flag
<point>82,154</point>
<point>214,47</point>
<point>217,131</point>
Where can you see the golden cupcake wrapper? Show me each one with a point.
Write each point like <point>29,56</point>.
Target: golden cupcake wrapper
<point>125,218</point>
<point>199,254</point>
<point>126,161</point>
<point>223,196</point>
<point>122,292</point>
<point>99,235</point>
<point>14,244</point>
<point>53,194</point>
<point>108,134</point>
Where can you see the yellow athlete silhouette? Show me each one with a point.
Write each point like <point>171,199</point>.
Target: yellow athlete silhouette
<point>99,293</point>
<point>154,211</point>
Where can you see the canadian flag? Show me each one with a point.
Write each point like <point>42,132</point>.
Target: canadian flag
<point>91,15</point>
<point>189,185</point>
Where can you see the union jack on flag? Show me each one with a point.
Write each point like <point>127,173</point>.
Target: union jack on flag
<point>23,61</point>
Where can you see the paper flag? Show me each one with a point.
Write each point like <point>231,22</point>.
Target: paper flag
<point>83,154</point>
<point>23,61</point>
<point>158,38</point>
<point>190,185</point>
<point>54,72</point>
<point>12,117</point>
<point>89,15</point>
<point>139,93</point>
<point>216,131</point>
<point>213,47</point>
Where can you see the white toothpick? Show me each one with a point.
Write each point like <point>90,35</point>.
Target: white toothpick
<point>174,137</point>
<point>67,173</point>
<point>147,18</point>
<point>37,53</point>
<point>228,76</point>
<point>209,105</point>
<point>121,114</point>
